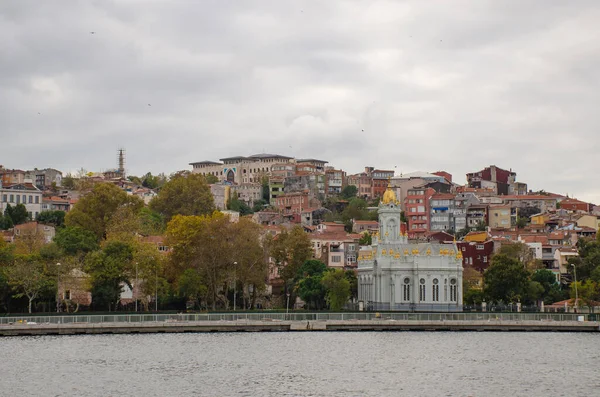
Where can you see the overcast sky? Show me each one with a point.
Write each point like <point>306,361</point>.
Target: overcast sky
<point>404,85</point>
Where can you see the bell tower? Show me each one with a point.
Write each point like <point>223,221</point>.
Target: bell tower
<point>389,218</point>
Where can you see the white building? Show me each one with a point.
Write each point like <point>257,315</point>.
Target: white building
<point>395,274</point>
<point>21,193</point>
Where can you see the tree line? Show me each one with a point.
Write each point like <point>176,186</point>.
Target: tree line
<point>211,260</point>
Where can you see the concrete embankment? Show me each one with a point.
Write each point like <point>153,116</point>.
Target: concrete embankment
<point>25,329</point>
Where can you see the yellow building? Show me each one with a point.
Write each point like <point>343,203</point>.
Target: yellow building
<point>476,237</point>
<point>540,219</point>
<point>499,216</point>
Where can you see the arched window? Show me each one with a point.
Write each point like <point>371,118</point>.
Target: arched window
<point>422,295</point>
<point>435,290</point>
<point>453,290</point>
<point>230,176</point>
<point>406,289</point>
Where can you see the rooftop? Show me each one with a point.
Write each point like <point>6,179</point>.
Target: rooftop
<point>418,174</point>
<point>310,161</point>
<point>207,162</point>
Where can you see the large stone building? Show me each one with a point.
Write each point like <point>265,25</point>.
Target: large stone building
<point>395,274</point>
<point>240,169</point>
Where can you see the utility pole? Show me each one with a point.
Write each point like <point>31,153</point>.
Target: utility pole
<point>135,286</point>
<point>234,284</point>
<point>58,287</point>
<point>576,294</point>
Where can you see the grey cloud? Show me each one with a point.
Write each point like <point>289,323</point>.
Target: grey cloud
<point>434,85</point>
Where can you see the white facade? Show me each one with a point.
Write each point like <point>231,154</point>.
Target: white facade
<point>395,274</point>
<point>21,193</point>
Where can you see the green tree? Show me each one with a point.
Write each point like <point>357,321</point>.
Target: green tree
<point>95,210</point>
<point>250,269</point>
<point>338,289</point>
<point>135,179</point>
<point>73,240</point>
<point>403,217</point>
<point>55,218</point>
<point>547,280</point>
<point>481,226</point>
<point>191,287</point>
<point>266,191</point>
<point>150,181</point>
<point>462,232</point>
<point>521,222</point>
<point>588,260</point>
<point>108,269</point>
<point>204,243</point>
<point>534,292</point>
<point>18,214</point>
<point>259,205</point>
<point>68,182</point>
<point>28,277</point>
<point>151,223</point>
<point>349,192</point>
<point>520,252</point>
<point>148,265</point>
<point>587,291</point>
<point>184,195</point>
<point>210,179</point>
<point>505,280</point>
<point>290,250</point>
<point>308,283</point>
<point>353,280</point>
<point>311,267</point>
<point>6,222</point>
<point>365,239</point>
<point>235,204</point>
<point>6,253</point>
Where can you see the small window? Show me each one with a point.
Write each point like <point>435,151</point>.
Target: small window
<point>67,295</point>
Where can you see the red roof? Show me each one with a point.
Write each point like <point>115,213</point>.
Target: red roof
<point>534,238</point>
<point>153,239</point>
<point>528,197</point>
<point>441,196</point>
<point>27,185</point>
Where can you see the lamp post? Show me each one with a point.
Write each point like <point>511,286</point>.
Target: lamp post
<point>234,284</point>
<point>287,306</point>
<point>58,287</point>
<point>156,290</point>
<point>576,295</point>
<point>135,286</point>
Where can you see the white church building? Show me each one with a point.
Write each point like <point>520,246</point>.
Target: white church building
<point>397,275</point>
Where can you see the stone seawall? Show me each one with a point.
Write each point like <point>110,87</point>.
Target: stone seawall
<point>28,329</point>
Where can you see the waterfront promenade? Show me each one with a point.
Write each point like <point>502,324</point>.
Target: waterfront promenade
<point>281,322</point>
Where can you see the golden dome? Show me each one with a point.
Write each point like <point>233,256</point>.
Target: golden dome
<point>389,197</point>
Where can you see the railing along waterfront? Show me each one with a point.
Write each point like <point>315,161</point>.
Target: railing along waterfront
<point>266,316</point>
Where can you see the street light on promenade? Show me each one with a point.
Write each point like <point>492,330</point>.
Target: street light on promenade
<point>576,295</point>
<point>58,287</point>
<point>156,289</point>
<point>234,284</point>
<point>135,286</point>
